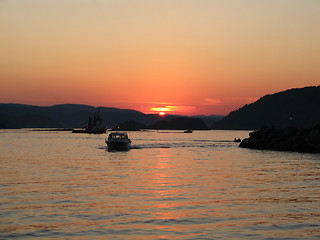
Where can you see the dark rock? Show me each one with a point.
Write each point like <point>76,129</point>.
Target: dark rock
<point>289,139</point>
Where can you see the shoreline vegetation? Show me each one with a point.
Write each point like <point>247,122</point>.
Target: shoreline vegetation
<point>293,139</point>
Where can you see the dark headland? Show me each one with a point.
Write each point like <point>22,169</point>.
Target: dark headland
<point>297,107</point>
<point>287,121</point>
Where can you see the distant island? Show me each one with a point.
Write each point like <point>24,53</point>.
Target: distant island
<point>180,123</point>
<point>130,125</point>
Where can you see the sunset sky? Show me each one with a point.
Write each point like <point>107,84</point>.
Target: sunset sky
<point>184,56</point>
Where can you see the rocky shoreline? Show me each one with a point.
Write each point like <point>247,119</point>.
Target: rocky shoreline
<point>304,140</point>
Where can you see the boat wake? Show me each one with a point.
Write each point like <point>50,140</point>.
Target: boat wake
<point>192,144</point>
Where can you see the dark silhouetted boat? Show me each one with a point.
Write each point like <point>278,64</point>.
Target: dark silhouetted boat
<point>188,131</point>
<point>94,126</point>
<point>118,141</point>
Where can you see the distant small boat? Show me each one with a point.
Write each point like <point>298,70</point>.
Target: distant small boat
<point>188,131</point>
<point>118,141</point>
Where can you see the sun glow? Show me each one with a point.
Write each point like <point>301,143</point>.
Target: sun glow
<point>161,109</point>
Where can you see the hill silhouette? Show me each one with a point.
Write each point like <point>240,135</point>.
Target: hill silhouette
<point>65,116</point>
<point>75,116</point>
<point>297,107</point>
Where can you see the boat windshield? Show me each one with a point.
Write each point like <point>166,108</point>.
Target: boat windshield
<point>117,136</point>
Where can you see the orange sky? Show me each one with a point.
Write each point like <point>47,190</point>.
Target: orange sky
<point>189,56</point>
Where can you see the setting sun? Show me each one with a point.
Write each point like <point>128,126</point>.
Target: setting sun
<point>163,110</point>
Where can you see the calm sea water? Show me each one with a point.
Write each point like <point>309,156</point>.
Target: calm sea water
<point>171,185</point>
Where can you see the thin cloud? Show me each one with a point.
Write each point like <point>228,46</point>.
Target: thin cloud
<point>212,101</point>
<point>242,99</point>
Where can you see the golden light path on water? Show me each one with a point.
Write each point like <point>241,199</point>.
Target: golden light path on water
<point>170,185</point>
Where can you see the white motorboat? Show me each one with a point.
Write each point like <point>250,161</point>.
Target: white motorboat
<point>118,141</point>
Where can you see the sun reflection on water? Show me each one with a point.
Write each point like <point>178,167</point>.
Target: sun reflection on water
<point>183,191</point>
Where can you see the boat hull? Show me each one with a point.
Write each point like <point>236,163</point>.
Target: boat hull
<point>118,146</point>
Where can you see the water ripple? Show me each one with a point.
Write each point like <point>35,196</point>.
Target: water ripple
<point>169,186</point>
